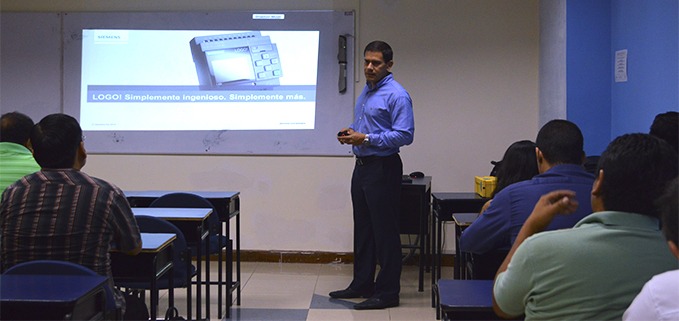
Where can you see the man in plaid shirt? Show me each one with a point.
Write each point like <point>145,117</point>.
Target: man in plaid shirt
<point>61,213</point>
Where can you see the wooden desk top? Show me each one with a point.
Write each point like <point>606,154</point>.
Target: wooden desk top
<point>173,213</point>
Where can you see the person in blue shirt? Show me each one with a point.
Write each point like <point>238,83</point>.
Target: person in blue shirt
<point>383,122</point>
<point>560,156</point>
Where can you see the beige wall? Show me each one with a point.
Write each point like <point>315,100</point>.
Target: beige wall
<point>470,66</point>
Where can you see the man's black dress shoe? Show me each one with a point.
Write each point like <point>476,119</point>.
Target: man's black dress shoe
<point>375,303</point>
<point>349,293</point>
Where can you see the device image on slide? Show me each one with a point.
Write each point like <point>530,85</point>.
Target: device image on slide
<point>246,58</point>
<point>198,79</point>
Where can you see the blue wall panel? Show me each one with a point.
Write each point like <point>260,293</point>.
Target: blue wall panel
<point>589,71</point>
<point>649,31</point>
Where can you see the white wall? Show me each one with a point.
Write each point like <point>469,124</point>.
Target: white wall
<point>552,60</point>
<point>470,66</point>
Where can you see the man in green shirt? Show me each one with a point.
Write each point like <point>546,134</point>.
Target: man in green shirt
<point>16,159</point>
<point>594,270</point>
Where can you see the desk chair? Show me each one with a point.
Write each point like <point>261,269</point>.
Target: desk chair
<point>484,266</point>
<point>591,163</point>
<point>464,300</point>
<point>184,271</point>
<point>52,267</point>
<point>188,200</point>
<point>216,241</point>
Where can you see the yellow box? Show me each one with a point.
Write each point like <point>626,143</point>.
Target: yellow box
<point>485,185</point>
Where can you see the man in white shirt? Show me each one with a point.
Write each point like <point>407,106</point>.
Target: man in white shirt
<point>659,299</point>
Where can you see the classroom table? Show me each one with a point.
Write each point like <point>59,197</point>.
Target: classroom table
<point>52,297</point>
<point>227,205</point>
<point>154,260</point>
<point>194,224</point>
<point>444,205</point>
<point>462,221</point>
<point>414,219</point>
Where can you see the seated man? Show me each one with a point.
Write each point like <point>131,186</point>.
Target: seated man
<point>16,160</point>
<point>61,213</point>
<point>560,156</point>
<point>659,299</point>
<point>594,270</point>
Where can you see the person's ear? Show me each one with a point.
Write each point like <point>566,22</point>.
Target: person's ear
<point>81,150</point>
<point>673,248</point>
<point>390,64</point>
<point>598,182</point>
<point>80,156</point>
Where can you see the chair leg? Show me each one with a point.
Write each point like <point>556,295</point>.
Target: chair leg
<point>435,292</point>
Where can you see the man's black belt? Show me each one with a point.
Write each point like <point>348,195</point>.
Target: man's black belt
<point>368,159</point>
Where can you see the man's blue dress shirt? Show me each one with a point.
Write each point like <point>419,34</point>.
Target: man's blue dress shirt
<point>386,114</point>
<point>501,222</point>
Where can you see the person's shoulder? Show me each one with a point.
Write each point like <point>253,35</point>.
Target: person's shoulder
<point>13,147</point>
<point>27,179</point>
<point>550,240</point>
<point>663,288</point>
<point>104,184</point>
<point>667,278</point>
<point>522,188</point>
<point>520,185</point>
<point>570,171</point>
<point>395,87</point>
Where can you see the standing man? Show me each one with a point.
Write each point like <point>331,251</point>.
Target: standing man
<point>383,123</point>
<point>16,160</point>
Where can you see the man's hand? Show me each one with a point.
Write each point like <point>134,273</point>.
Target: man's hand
<point>351,137</point>
<point>551,204</point>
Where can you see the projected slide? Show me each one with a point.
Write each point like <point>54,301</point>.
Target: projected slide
<point>145,80</point>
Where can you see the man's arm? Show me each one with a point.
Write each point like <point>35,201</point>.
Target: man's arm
<point>127,235</point>
<point>549,205</point>
<point>490,230</point>
<point>402,125</point>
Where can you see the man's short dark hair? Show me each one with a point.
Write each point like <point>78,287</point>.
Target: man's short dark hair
<point>55,141</point>
<point>380,46</point>
<point>668,205</point>
<point>666,126</point>
<point>15,127</point>
<point>560,142</point>
<point>637,167</point>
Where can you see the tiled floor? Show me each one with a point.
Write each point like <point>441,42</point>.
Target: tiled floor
<point>297,291</point>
